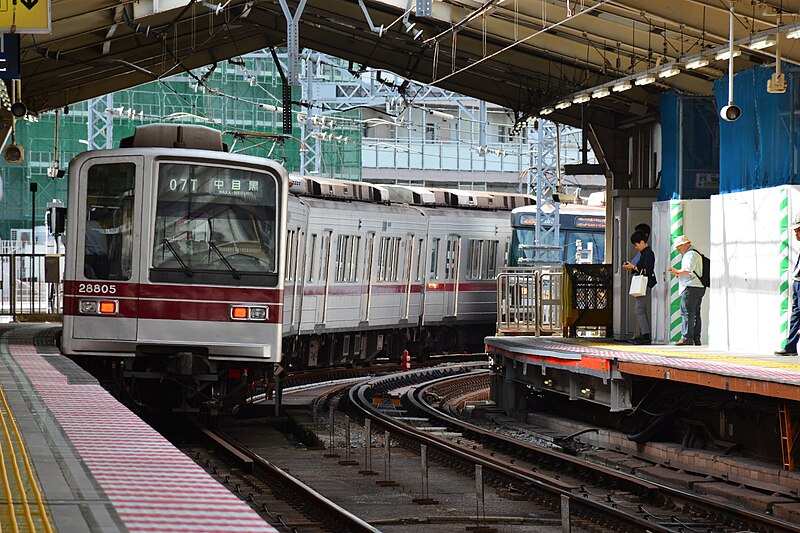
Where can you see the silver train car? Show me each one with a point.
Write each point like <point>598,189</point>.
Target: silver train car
<point>374,270</point>
<point>205,269</point>
<point>174,259</point>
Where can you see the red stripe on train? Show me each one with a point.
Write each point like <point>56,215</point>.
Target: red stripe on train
<point>114,289</point>
<point>173,310</point>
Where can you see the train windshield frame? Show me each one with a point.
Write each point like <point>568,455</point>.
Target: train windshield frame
<point>215,224</point>
<point>572,228</point>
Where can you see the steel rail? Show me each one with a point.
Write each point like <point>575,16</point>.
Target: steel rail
<point>263,468</point>
<point>775,524</point>
<point>358,398</point>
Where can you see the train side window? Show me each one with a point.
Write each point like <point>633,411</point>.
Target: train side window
<point>434,271</point>
<point>355,251</point>
<point>420,259</point>
<point>108,242</point>
<point>325,255</point>
<point>491,259</point>
<point>474,266</point>
<point>312,250</point>
<point>290,257</point>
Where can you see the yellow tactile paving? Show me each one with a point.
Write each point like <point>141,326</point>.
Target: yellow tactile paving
<point>738,359</point>
<point>20,499</point>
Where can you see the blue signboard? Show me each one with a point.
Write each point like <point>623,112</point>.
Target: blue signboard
<point>9,57</point>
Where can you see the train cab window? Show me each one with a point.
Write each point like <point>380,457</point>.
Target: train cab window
<point>108,242</point>
<point>215,225</point>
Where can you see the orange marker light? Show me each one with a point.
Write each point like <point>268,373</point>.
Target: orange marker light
<point>108,308</point>
<point>239,312</point>
<point>433,286</point>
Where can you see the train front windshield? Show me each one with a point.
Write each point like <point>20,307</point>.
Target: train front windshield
<point>581,239</point>
<point>215,225</point>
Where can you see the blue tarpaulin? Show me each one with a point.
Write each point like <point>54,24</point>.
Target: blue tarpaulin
<point>690,146</point>
<point>760,148</point>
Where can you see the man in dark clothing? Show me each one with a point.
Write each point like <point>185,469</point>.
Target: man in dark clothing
<point>644,266</point>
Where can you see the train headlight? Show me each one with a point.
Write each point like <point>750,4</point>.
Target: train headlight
<point>98,307</point>
<point>246,312</point>
<point>258,313</point>
<point>88,307</point>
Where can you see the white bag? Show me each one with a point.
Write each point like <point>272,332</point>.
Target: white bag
<point>638,285</point>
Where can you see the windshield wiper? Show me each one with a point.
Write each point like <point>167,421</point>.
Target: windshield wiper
<point>235,272</point>
<point>184,266</point>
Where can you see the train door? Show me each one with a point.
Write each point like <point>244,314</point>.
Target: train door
<point>420,279</point>
<point>324,276</point>
<point>366,296</point>
<point>452,274</point>
<point>108,216</point>
<point>410,248</point>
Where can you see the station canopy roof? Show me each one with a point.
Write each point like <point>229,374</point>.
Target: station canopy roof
<point>527,55</point>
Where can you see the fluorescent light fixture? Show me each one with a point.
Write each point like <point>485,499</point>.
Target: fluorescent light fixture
<point>724,56</point>
<point>697,63</point>
<point>601,93</point>
<point>621,86</point>
<point>645,80</point>
<point>581,98</point>
<point>669,72</point>
<point>546,111</point>
<point>763,42</point>
<point>793,34</point>
<point>563,104</point>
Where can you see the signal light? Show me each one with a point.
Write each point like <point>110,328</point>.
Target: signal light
<point>14,154</point>
<point>239,313</point>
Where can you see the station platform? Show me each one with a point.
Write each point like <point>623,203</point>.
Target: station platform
<point>74,459</point>
<point>761,374</point>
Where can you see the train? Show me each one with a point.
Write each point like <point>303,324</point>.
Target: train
<point>190,265</point>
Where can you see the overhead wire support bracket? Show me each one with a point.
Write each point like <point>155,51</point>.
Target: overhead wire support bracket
<point>293,40</point>
<point>380,30</point>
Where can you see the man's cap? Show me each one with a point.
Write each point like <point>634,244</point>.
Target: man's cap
<point>682,239</point>
<point>796,223</point>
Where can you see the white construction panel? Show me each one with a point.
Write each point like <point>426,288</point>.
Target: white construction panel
<point>746,277</point>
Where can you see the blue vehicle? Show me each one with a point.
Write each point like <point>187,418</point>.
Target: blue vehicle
<point>581,234</point>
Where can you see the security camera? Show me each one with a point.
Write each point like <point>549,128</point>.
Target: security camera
<point>730,112</point>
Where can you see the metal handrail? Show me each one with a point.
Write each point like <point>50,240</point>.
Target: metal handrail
<point>31,286</point>
<point>529,301</point>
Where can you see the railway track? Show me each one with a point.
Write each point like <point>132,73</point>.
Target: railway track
<point>597,497</point>
<point>281,499</point>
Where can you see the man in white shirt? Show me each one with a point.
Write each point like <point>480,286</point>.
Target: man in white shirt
<point>691,290</point>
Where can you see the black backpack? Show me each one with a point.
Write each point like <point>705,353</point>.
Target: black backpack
<point>705,279</point>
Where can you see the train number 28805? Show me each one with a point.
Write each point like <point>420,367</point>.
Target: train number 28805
<point>97,288</point>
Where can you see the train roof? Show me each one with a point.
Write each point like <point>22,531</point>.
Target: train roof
<point>336,189</point>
